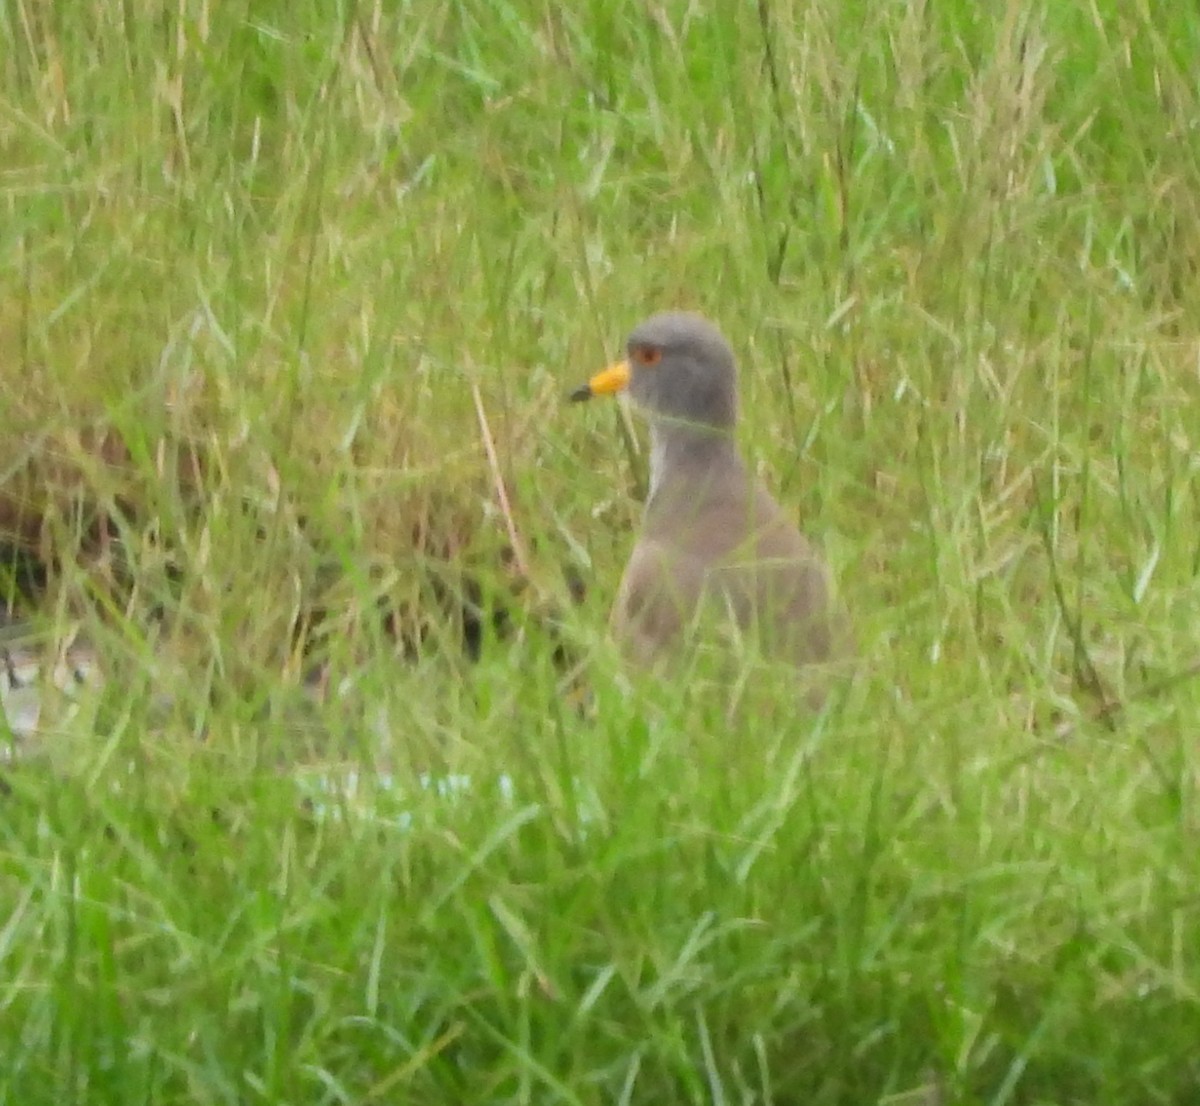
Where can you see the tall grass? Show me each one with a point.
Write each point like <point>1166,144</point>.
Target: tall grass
<point>292,295</point>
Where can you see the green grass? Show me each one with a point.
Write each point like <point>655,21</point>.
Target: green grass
<point>276,274</point>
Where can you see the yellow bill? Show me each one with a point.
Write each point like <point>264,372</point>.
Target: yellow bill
<point>607,382</point>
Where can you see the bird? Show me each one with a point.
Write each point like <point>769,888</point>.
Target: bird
<point>38,674</point>
<point>714,543</point>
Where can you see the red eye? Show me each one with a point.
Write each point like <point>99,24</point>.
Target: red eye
<point>647,356</point>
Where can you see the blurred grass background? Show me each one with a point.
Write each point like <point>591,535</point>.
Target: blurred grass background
<point>292,291</point>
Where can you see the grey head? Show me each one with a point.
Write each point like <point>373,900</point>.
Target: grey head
<point>678,370</point>
<point>682,371</point>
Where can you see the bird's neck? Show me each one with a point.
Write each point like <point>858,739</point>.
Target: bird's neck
<point>692,449</point>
